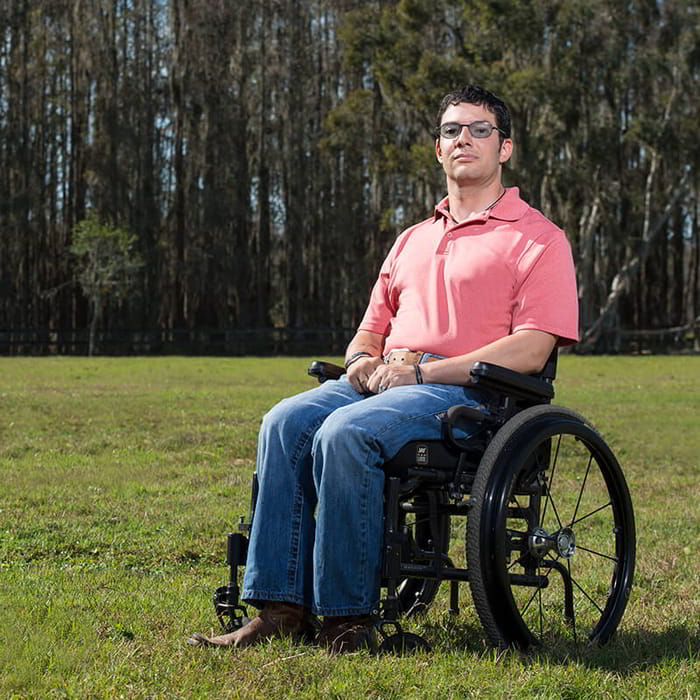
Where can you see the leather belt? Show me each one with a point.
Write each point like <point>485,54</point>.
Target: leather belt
<point>407,357</point>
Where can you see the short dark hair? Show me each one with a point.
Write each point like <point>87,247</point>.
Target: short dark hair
<point>476,95</point>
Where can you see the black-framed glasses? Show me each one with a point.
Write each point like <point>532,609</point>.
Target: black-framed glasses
<point>479,130</point>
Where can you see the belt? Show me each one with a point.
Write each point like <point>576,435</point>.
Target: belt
<point>407,357</point>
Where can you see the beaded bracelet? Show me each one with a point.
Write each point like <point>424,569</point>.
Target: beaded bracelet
<point>419,374</point>
<point>355,357</point>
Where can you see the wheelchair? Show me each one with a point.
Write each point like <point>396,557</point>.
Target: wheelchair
<point>549,543</point>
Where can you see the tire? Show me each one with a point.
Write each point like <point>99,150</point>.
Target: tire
<point>551,536</point>
<point>416,594</point>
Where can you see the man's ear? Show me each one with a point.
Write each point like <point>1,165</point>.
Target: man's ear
<point>506,151</point>
<point>438,151</point>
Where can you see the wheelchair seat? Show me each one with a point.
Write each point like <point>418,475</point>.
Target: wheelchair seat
<point>550,539</point>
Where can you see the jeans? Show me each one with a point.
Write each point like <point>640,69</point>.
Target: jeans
<point>321,453</point>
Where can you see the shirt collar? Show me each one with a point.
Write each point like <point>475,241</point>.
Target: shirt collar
<point>509,208</point>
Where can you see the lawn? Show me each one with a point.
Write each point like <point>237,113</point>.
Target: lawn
<point>121,477</point>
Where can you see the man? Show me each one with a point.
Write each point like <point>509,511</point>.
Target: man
<point>487,278</point>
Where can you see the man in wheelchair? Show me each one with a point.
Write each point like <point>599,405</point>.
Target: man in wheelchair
<point>486,278</point>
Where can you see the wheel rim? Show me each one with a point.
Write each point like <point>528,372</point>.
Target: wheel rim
<point>563,539</point>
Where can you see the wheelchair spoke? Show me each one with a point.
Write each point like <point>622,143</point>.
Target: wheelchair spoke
<point>563,550</point>
<point>511,532</point>
<point>520,561</point>
<point>517,503</point>
<point>583,486</point>
<point>550,498</point>
<point>576,583</point>
<point>598,554</point>
<point>517,535</point>
<point>517,562</point>
<point>593,512</point>
<point>538,590</point>
<point>574,496</point>
<point>573,612</point>
<point>551,483</point>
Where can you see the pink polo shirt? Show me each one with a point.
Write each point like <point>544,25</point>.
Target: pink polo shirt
<point>450,288</point>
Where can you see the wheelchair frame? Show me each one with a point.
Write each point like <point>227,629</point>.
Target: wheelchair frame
<point>527,585</point>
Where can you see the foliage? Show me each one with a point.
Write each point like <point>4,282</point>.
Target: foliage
<point>107,258</point>
<point>600,93</point>
<point>267,153</point>
<point>121,478</point>
<point>107,264</point>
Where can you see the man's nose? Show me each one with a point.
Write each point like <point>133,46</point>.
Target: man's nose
<point>464,135</point>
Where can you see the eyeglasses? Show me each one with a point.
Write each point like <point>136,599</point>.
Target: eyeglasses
<point>479,130</point>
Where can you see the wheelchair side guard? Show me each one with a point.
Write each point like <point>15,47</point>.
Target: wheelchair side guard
<point>507,392</point>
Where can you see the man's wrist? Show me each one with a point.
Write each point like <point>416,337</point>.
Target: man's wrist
<point>419,374</point>
<point>356,356</point>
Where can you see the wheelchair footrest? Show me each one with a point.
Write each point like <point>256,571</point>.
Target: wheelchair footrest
<point>230,613</point>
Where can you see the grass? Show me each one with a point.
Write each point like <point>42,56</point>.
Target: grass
<point>120,478</point>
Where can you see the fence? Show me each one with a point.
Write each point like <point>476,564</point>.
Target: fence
<point>227,342</point>
<point>280,341</point>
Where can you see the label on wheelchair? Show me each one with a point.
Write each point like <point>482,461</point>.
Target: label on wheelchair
<point>422,455</point>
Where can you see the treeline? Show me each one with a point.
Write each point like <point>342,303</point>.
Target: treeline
<point>265,153</point>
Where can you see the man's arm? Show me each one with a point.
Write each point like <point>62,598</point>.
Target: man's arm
<point>360,366</point>
<point>525,351</point>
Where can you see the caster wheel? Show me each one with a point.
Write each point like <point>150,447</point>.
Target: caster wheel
<point>236,623</point>
<point>404,643</point>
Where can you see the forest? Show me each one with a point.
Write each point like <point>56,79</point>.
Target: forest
<point>252,161</point>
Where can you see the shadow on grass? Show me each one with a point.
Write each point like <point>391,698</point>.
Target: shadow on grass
<point>626,653</point>
<point>633,651</point>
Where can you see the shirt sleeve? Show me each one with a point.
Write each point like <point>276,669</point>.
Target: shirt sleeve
<point>546,297</point>
<point>382,306</point>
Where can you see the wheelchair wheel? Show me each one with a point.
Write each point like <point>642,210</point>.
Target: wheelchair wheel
<point>428,535</point>
<point>551,537</point>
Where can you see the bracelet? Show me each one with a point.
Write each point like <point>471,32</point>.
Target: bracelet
<point>419,374</point>
<point>355,357</point>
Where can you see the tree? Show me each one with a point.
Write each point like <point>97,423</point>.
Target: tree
<point>106,265</point>
<point>267,153</point>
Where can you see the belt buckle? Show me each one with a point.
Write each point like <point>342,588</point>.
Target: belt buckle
<point>392,356</point>
<point>407,357</point>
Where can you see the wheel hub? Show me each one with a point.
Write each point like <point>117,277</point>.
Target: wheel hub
<point>566,542</point>
<point>563,542</point>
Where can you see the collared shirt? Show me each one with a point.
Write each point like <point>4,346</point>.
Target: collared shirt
<point>450,288</point>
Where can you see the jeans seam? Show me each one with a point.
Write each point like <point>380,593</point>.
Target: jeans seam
<point>297,519</point>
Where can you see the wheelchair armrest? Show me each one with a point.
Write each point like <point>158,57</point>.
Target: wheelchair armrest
<point>325,370</point>
<point>506,381</point>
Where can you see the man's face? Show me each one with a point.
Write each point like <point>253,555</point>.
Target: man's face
<point>467,160</point>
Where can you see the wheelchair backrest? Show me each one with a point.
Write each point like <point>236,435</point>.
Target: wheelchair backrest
<point>549,371</point>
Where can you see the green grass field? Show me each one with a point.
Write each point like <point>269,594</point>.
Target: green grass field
<point>121,477</point>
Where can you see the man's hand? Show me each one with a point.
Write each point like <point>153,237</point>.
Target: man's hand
<point>361,370</point>
<point>387,376</point>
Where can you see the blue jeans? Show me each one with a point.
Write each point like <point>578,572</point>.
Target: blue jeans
<point>321,452</point>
